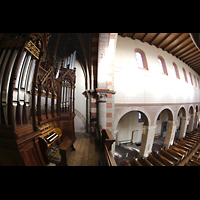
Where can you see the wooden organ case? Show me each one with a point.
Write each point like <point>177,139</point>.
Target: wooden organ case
<point>34,94</point>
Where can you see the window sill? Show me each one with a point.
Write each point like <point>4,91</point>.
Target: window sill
<point>143,68</point>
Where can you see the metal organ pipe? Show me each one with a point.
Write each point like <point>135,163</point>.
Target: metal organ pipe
<point>28,84</point>
<point>66,90</point>
<point>15,91</point>
<point>2,70</point>
<point>6,83</point>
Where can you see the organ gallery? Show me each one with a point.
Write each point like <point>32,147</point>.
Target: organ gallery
<point>99,99</point>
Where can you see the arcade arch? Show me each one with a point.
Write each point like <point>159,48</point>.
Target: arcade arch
<point>130,126</point>
<point>164,131</point>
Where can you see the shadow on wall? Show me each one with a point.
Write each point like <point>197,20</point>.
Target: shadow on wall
<point>79,122</point>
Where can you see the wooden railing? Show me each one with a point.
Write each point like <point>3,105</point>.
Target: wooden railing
<point>107,140</point>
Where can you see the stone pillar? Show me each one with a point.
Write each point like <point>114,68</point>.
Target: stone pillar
<point>196,121</point>
<point>171,129</point>
<point>191,123</point>
<point>147,140</point>
<point>102,110</point>
<point>183,127</point>
<point>115,134</point>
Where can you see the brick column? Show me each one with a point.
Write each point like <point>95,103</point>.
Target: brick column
<point>106,107</point>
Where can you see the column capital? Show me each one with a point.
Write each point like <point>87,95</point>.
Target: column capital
<point>102,93</point>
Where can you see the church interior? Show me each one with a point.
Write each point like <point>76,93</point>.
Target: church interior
<point>99,99</point>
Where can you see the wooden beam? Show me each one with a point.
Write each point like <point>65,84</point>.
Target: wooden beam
<point>184,49</point>
<point>193,56</point>
<point>155,38</point>
<point>124,34</point>
<point>135,35</point>
<point>179,46</point>
<point>194,62</point>
<point>163,40</point>
<point>171,42</point>
<point>145,37</point>
<point>188,51</point>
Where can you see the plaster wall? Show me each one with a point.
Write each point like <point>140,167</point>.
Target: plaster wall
<point>136,85</point>
<point>80,100</point>
<point>127,124</point>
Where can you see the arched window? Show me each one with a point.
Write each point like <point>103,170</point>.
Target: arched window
<point>163,67</point>
<point>141,59</point>
<point>184,72</point>
<point>176,70</point>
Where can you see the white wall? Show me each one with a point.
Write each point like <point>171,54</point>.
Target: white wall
<point>163,118</point>
<point>127,124</point>
<point>80,100</point>
<point>134,85</point>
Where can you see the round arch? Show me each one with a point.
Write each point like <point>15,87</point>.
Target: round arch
<point>170,113</point>
<point>191,109</point>
<point>129,109</point>
<point>183,109</point>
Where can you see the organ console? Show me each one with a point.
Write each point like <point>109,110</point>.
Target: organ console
<point>49,141</point>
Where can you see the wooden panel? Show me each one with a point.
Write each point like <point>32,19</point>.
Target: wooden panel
<point>67,127</point>
<point>29,154</point>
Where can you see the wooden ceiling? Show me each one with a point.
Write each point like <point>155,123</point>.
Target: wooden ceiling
<point>180,45</point>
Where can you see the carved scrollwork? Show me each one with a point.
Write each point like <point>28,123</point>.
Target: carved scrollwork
<point>29,45</point>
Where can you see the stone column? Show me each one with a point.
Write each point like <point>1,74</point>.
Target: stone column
<point>191,123</point>
<point>102,109</point>
<point>115,134</point>
<point>183,127</point>
<point>147,140</point>
<point>196,121</point>
<point>171,129</point>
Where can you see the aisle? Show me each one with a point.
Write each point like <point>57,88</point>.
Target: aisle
<point>86,154</point>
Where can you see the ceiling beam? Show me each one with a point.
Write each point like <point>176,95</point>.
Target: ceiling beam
<point>192,49</point>
<point>145,37</point>
<point>193,53</point>
<point>159,45</point>
<point>184,49</point>
<point>193,62</point>
<point>192,57</point>
<point>124,34</point>
<point>171,42</point>
<point>181,44</point>
<point>155,38</point>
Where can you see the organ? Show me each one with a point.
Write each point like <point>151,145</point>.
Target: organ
<point>34,94</point>
<point>49,140</point>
